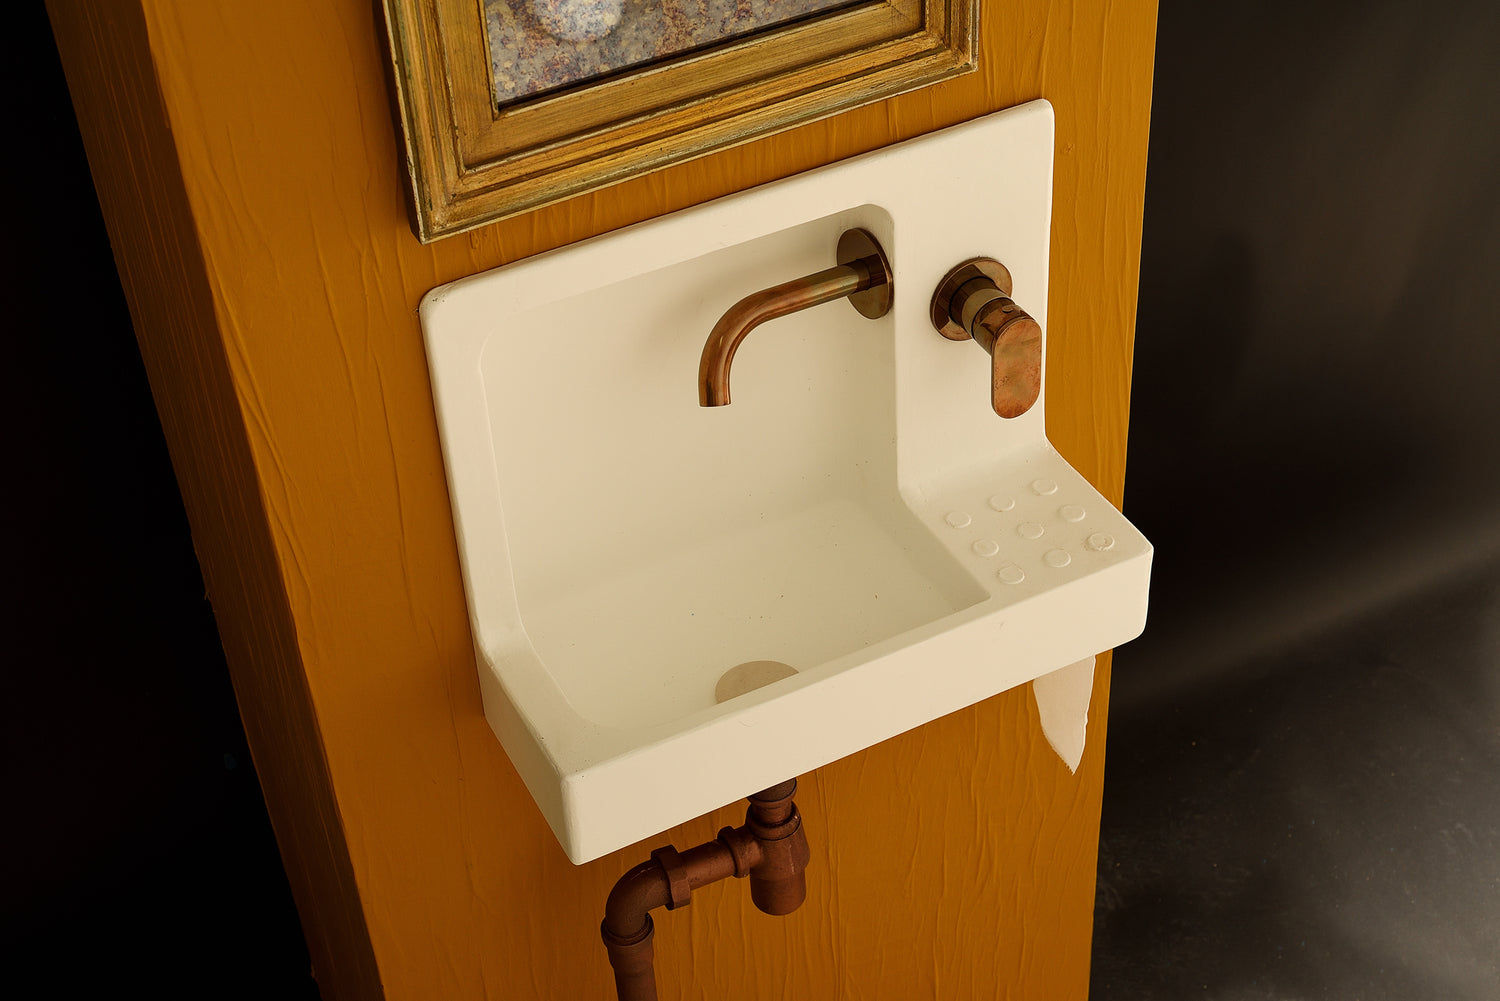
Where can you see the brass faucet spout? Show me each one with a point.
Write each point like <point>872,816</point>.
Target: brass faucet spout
<point>862,275</point>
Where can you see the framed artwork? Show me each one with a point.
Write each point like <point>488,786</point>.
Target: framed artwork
<point>509,105</point>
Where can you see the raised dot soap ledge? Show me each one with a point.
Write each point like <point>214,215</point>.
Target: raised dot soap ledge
<point>1042,530</point>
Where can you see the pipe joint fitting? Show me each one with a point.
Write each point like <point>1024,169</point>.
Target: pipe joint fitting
<point>679,888</point>
<point>743,848</point>
<point>626,943</point>
<point>774,831</point>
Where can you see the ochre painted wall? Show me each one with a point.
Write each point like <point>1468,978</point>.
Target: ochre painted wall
<point>249,172</point>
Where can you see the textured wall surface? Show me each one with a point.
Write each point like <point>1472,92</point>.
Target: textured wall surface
<point>273,282</point>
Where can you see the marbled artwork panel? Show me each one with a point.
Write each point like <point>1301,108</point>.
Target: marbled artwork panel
<point>541,45</point>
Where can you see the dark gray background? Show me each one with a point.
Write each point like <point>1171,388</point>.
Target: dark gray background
<point>1303,789</point>
<point>1302,793</point>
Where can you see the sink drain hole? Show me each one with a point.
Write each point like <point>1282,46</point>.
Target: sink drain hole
<point>749,676</point>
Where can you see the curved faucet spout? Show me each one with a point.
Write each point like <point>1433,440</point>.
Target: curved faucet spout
<point>862,274</point>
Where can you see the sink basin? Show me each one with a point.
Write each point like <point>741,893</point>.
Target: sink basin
<point>859,517</point>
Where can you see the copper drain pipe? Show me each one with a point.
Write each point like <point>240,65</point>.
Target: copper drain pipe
<point>770,848</point>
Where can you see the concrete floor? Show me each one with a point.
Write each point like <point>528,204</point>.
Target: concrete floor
<point>1328,827</point>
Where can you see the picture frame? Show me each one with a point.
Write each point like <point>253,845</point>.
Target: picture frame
<point>472,159</point>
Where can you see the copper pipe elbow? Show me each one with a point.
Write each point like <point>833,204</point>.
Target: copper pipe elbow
<point>639,891</point>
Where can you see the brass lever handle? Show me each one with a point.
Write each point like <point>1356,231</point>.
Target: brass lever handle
<point>973,302</point>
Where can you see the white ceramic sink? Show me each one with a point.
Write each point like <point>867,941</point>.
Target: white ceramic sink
<point>623,547</point>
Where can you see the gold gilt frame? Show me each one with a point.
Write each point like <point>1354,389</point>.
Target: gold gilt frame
<point>470,163</point>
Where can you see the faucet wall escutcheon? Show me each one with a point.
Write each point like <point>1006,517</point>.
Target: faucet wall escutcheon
<point>973,302</point>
